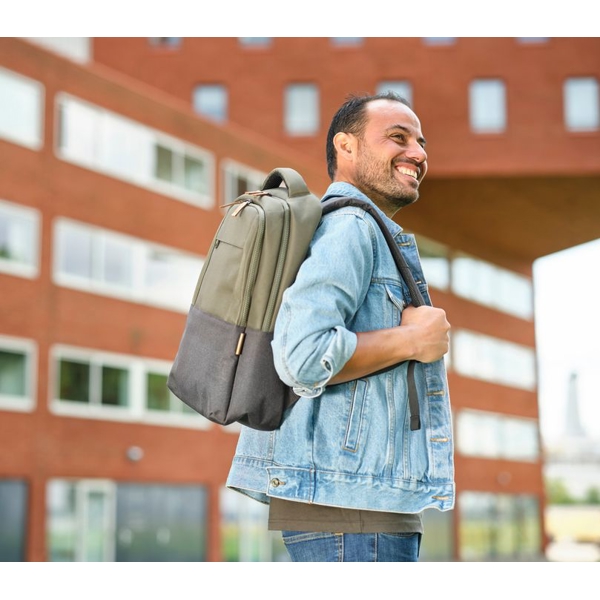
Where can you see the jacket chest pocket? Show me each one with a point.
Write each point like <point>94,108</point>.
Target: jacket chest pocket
<point>395,304</point>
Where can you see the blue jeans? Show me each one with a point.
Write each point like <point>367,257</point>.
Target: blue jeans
<point>311,546</point>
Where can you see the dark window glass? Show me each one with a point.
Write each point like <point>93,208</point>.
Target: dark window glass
<point>157,523</point>
<point>13,511</point>
<point>115,383</point>
<point>13,368</point>
<point>74,381</point>
<point>158,394</point>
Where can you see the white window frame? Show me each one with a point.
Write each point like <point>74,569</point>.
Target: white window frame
<point>28,347</point>
<point>83,488</point>
<point>38,143</point>
<point>255,42</point>
<point>497,274</point>
<point>443,254</point>
<point>502,450</point>
<point>175,145</point>
<point>137,369</point>
<point>533,41</point>
<point>140,249</point>
<point>251,522</point>
<point>439,41</point>
<point>571,116</point>
<point>12,267</point>
<point>347,42</point>
<point>299,127</point>
<point>496,373</point>
<point>232,168</point>
<point>481,123</point>
<point>403,87</point>
<point>169,43</point>
<point>223,101</point>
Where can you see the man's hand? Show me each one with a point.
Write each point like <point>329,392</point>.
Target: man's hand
<point>422,336</point>
<point>428,330</point>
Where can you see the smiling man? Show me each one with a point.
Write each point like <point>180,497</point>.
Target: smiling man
<point>346,475</point>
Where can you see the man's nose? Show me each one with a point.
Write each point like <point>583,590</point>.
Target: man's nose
<point>417,153</point>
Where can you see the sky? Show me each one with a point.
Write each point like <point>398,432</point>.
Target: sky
<point>568,335</point>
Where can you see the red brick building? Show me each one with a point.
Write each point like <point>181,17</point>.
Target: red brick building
<point>110,186</point>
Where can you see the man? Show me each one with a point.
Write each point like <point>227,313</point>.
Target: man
<point>346,476</point>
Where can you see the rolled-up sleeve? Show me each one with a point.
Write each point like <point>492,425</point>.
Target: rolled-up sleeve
<point>312,341</point>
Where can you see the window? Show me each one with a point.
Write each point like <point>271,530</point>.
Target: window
<point>582,104</point>
<point>165,42</point>
<point>80,520</point>
<point>532,40</point>
<point>438,547</point>
<point>255,42</point>
<point>18,364</point>
<point>161,523</point>
<point>439,41</point>
<point>301,109</point>
<point>347,41</point>
<point>402,88</point>
<point>21,110</point>
<point>13,520</point>
<point>244,533</point>
<point>211,101</point>
<point>238,179</point>
<point>97,139</point>
<point>96,384</point>
<point>499,527</point>
<point>77,49</point>
<point>491,359</point>
<point>492,286</point>
<point>105,262</point>
<point>435,262</point>
<point>98,521</point>
<point>487,106</point>
<point>492,435</point>
<point>160,401</point>
<point>19,239</point>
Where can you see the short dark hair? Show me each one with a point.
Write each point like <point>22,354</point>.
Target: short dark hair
<point>351,118</point>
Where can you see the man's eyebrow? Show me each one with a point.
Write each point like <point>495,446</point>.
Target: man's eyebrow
<point>421,139</point>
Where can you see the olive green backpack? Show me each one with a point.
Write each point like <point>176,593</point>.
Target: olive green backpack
<point>224,367</point>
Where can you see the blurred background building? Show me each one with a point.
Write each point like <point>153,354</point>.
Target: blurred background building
<point>115,157</point>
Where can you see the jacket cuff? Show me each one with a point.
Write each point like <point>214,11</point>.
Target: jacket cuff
<point>338,353</point>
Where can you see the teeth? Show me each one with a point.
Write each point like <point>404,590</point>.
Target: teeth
<point>406,171</point>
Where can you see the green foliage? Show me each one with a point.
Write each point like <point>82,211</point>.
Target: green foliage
<point>558,492</point>
<point>592,496</point>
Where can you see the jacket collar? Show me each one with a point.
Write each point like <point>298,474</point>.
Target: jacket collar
<point>342,188</point>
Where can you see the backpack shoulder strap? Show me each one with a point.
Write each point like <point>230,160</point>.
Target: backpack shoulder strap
<point>405,272</point>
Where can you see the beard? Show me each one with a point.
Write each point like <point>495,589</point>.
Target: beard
<point>378,180</point>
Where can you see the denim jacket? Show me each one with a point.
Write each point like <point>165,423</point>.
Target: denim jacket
<point>350,445</point>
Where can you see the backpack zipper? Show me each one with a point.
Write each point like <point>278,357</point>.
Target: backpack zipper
<point>254,261</point>
<point>268,323</point>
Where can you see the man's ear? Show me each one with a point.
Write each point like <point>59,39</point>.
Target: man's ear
<point>345,146</point>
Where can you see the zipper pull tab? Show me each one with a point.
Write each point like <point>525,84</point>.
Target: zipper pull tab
<point>241,207</point>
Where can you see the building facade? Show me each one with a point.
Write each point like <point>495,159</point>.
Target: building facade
<point>114,162</point>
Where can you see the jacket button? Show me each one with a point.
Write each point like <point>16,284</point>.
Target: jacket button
<point>275,482</point>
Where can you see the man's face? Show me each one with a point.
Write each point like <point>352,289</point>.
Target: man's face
<point>391,160</point>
